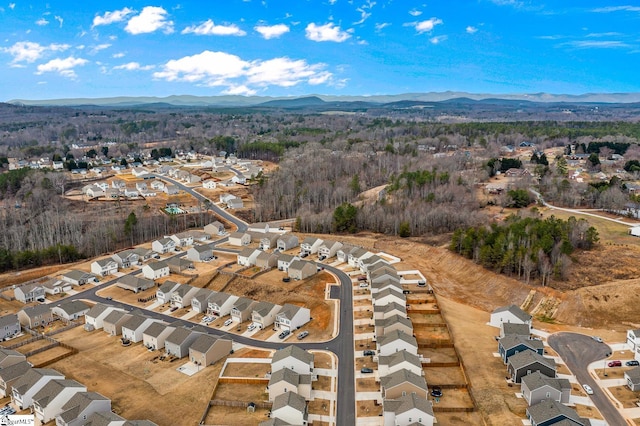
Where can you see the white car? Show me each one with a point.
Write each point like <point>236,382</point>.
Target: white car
<point>228,322</point>
<point>597,339</point>
<point>587,389</point>
<point>252,327</point>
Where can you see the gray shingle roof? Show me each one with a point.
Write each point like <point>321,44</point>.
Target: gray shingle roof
<point>30,378</point>
<point>78,403</point>
<point>179,335</point>
<point>513,340</point>
<point>290,399</point>
<point>8,320</point>
<point>14,371</point>
<point>53,389</point>
<point>398,358</point>
<point>203,343</point>
<point>515,328</point>
<point>537,380</point>
<point>515,310</point>
<point>73,307</point>
<point>397,335</point>
<point>288,311</point>
<point>634,375</point>
<point>155,329</point>
<point>409,402</point>
<point>293,351</point>
<point>549,409</point>
<point>403,376</point>
<point>522,359</point>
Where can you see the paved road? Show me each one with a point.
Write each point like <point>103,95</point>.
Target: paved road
<point>578,351</point>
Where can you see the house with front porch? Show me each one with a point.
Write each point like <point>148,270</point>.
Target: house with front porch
<point>291,317</point>
<point>513,344</point>
<point>527,362</point>
<point>164,292</point>
<point>264,314</point>
<point>104,267</point>
<point>242,309</point>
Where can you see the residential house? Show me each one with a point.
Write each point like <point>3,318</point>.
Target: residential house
<point>513,344</point>
<point>182,296</point>
<point>77,277</point>
<point>94,319</point>
<point>164,292</point>
<point>633,339</point>
<point>179,264</point>
<point>55,286</point>
<point>70,310</point>
<point>242,309</point>
<point>28,293</point>
<point>401,383</point>
<point>510,313</point>
<point>93,191</point>
<point>408,410</point>
<point>527,362</point>
<point>207,349</point>
<point>209,184</point>
<point>383,273</point>
<point>35,316</point>
<point>220,304</point>
<point>301,269</point>
<point>549,412</point>
<point>143,254</point>
<point>155,270</point>
<point>632,377</point>
<point>126,258</point>
<point>163,245</point>
<point>182,239</point>
<point>134,327</point>
<point>247,257</point>
<point>170,189</point>
<point>200,301</point>
<point>377,287</point>
<point>10,357</point>
<point>286,380</point>
<point>239,239</point>
<point>396,341</point>
<point>536,387</point>
<point>225,198</point>
<point>287,242</point>
<point>139,171</point>
<point>329,248</point>
<point>118,184</point>
<point>235,203</point>
<point>155,335</point>
<point>135,284</point>
<point>371,263</point>
<point>80,407</point>
<point>514,329</point>
<point>310,245</point>
<point>290,407</point>
<point>104,267</point>
<point>343,252</point>
<point>215,228</point>
<point>293,358</point>
<point>269,241</point>
<point>48,401</point>
<point>29,384</point>
<point>264,314</point>
<point>9,326</point>
<point>401,360</point>
<point>292,317</point>
<point>157,185</point>
<point>142,186</point>
<point>112,323</point>
<point>200,253</point>
<point>260,227</point>
<point>387,296</point>
<point>381,311</point>
<point>285,260</point>
<point>177,343</point>
<point>357,255</point>
<point>10,374</point>
<point>395,322</point>
<point>240,180</point>
<point>266,260</point>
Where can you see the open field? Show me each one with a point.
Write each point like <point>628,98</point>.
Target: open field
<point>367,385</point>
<point>368,409</point>
<point>626,396</point>
<point>453,398</point>
<point>237,369</point>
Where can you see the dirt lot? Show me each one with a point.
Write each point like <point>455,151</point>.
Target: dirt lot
<point>236,369</point>
<point>443,375</point>
<point>626,396</point>
<point>456,397</point>
<point>439,354</point>
<point>48,355</point>
<point>368,409</point>
<point>367,385</point>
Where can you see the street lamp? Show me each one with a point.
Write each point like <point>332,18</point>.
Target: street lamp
<point>604,369</point>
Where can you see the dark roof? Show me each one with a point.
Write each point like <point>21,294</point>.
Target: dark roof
<point>537,380</point>
<point>634,375</point>
<point>204,343</point>
<point>513,340</point>
<point>549,409</point>
<point>525,358</point>
<point>293,351</point>
<point>514,328</point>
<point>515,310</point>
<point>409,402</point>
<point>289,399</point>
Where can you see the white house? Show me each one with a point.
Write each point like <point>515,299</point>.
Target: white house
<point>220,304</point>
<point>104,267</point>
<point>154,335</point>
<point>70,310</point>
<point>30,383</point>
<point>239,239</point>
<point>134,327</point>
<point>329,248</point>
<point>292,317</point>
<point>48,401</point>
<point>285,260</point>
<point>155,270</point>
<point>396,341</point>
<point>293,358</point>
<point>241,180</point>
<point>287,242</point>
<point>310,245</point>
<point>164,292</point>
<point>290,408</point>
<point>248,256</point>
<point>163,245</point>
<point>94,318</point>
<point>209,184</point>
<point>408,410</point>
<point>510,313</point>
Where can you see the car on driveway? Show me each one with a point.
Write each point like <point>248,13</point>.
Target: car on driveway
<point>228,322</point>
<point>614,364</point>
<point>632,363</point>
<point>366,370</point>
<point>284,334</point>
<point>587,389</point>
<point>436,391</point>
<point>303,335</point>
<point>369,352</point>
<point>597,339</point>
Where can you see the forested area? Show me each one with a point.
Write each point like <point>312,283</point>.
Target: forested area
<point>527,247</point>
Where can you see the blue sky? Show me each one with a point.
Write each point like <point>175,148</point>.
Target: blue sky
<point>65,49</point>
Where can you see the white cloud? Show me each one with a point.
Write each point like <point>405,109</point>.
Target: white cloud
<point>471,30</point>
<point>59,19</point>
<point>151,19</point>
<point>42,22</point>
<point>365,12</point>
<point>118,55</point>
<point>610,9</point>
<point>273,31</point>
<point>382,25</point>
<point>133,66</point>
<point>424,26</point>
<point>27,51</point>
<point>64,67</point>
<point>112,17</point>
<point>327,32</point>
<point>332,2</point>
<point>209,28</point>
<point>438,39</point>
<point>99,47</point>
<point>239,76</point>
<point>514,3</point>
<point>415,12</point>
<point>12,6</point>
<point>599,44</point>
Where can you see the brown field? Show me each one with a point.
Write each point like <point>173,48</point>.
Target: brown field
<point>224,416</point>
<point>439,354</point>
<point>419,319</point>
<point>426,332</point>
<point>323,383</point>
<point>366,362</point>
<point>589,412</point>
<point>319,406</point>
<point>456,397</point>
<point>48,355</point>
<point>236,369</point>
<point>626,396</point>
<point>443,375</point>
<point>368,409</point>
<point>321,359</point>
<point>367,385</point>
<point>241,392</point>
<point>460,419</point>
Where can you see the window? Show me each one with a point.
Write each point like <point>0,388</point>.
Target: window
<point>548,394</point>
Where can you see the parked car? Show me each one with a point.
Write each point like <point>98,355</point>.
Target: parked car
<point>252,326</point>
<point>109,298</point>
<point>284,334</point>
<point>614,364</point>
<point>303,335</point>
<point>364,285</point>
<point>597,339</point>
<point>369,352</point>
<point>362,278</point>
<point>436,391</point>
<point>366,370</point>
<point>303,255</point>
<point>587,389</point>
<point>422,283</point>
<point>175,308</point>
<point>228,322</point>
<point>632,363</point>
<point>286,279</point>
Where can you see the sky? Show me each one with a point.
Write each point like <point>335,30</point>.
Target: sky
<point>72,49</point>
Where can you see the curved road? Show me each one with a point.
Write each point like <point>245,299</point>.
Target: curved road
<point>342,345</point>
<point>578,351</point>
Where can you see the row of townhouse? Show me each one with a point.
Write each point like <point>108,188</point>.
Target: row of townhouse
<point>545,393</point>
<point>50,395</point>
<point>295,267</point>
<point>43,315</point>
<point>37,290</point>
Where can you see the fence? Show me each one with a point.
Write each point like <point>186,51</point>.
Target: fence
<point>244,380</point>
<point>435,344</point>
<point>219,402</point>
<point>438,409</point>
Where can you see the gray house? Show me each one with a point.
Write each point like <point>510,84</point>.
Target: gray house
<point>549,412</point>
<point>536,386</point>
<point>29,293</point>
<point>527,362</point>
<point>200,253</point>
<point>155,335</point>
<point>112,323</point>
<point>83,404</point>
<point>178,342</point>
<point>242,309</point>
<point>27,386</point>
<point>633,378</point>
<point>35,316</point>
<point>134,284</point>
<point>287,242</point>
<point>511,328</point>
<point>512,344</point>
<point>200,301</point>
<point>10,357</point>
<point>164,292</point>
<point>9,326</point>
<point>77,277</point>
<point>10,374</point>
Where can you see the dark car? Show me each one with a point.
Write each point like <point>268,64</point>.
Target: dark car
<point>368,352</point>
<point>632,363</point>
<point>436,391</point>
<point>284,334</point>
<point>614,364</point>
<point>366,370</point>
<point>286,279</point>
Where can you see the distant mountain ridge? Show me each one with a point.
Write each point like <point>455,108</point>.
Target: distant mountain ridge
<point>331,100</point>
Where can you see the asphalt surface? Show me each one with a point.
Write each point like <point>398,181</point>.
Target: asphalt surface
<point>342,345</point>
<point>578,351</point>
